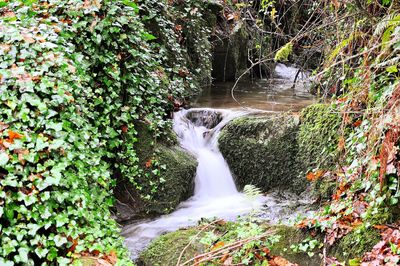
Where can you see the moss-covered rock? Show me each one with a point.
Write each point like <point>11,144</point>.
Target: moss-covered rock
<point>165,250</point>
<point>355,244</point>
<point>167,178</point>
<point>263,151</point>
<point>319,136</point>
<point>292,236</point>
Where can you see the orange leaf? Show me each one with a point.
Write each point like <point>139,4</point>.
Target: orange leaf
<point>178,27</point>
<point>13,135</point>
<point>218,245</point>
<point>357,123</point>
<point>224,258</point>
<point>380,227</point>
<point>149,163</point>
<point>74,243</point>
<point>313,176</point>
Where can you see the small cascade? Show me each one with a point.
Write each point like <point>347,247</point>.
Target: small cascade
<point>289,73</point>
<point>215,192</point>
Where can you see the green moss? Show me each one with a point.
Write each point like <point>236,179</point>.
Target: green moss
<point>177,170</point>
<point>165,250</point>
<point>262,151</point>
<point>166,179</point>
<point>292,236</point>
<point>178,177</point>
<point>318,136</point>
<point>355,244</point>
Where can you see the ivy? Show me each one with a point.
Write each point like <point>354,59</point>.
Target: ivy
<point>75,77</point>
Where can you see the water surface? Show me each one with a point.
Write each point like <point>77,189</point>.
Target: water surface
<point>276,94</point>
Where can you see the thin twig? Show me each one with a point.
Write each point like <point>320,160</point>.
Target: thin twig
<point>191,241</point>
<point>206,256</point>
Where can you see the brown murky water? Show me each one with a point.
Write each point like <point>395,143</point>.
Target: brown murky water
<point>276,94</point>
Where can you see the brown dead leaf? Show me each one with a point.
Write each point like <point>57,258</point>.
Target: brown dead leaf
<point>388,152</point>
<point>178,27</point>
<point>279,261</point>
<point>226,260</point>
<point>149,163</point>
<point>21,153</point>
<point>28,38</point>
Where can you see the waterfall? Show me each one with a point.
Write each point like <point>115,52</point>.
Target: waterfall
<point>215,192</point>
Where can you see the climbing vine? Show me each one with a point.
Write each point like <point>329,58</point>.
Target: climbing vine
<point>75,77</point>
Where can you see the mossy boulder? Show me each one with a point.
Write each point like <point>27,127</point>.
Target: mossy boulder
<point>166,250</point>
<point>355,244</point>
<point>289,237</point>
<point>318,136</point>
<point>262,151</point>
<point>166,179</point>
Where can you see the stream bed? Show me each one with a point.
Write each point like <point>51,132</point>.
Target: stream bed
<point>215,192</point>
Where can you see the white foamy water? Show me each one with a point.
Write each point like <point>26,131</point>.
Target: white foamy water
<point>289,73</point>
<point>215,191</point>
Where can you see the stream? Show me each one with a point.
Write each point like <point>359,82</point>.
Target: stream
<point>215,192</point>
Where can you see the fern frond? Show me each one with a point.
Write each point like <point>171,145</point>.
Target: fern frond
<point>392,20</point>
<point>391,62</point>
<point>252,191</point>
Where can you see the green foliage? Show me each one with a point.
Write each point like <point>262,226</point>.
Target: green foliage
<point>243,229</point>
<point>185,48</point>
<point>55,180</point>
<point>343,44</point>
<point>251,191</point>
<point>75,76</point>
<point>308,245</point>
<point>209,236</point>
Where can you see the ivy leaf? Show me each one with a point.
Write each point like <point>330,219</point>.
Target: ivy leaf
<point>131,4</point>
<point>41,252</point>
<point>4,158</point>
<point>148,36</point>
<point>23,255</point>
<point>63,261</point>
<point>60,240</point>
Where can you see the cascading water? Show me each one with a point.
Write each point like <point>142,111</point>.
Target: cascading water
<point>215,191</point>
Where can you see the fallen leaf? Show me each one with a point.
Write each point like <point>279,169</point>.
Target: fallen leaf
<point>13,135</point>
<point>218,245</point>
<point>149,163</point>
